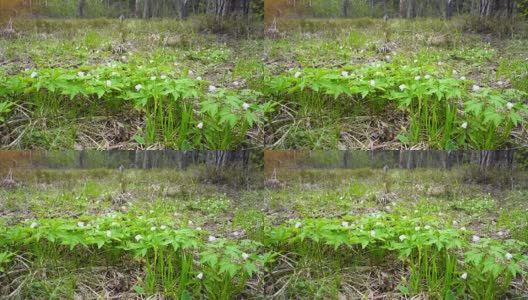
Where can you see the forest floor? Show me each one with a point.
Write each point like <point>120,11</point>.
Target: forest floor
<point>326,234</point>
<point>314,84</point>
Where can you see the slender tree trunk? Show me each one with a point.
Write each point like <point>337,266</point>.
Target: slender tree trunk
<point>137,9</point>
<point>345,8</point>
<point>81,8</point>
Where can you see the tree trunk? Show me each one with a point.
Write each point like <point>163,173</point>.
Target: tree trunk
<point>411,9</point>
<point>449,9</point>
<point>345,8</point>
<point>402,8</point>
<point>137,9</point>
<point>147,9</point>
<point>81,8</point>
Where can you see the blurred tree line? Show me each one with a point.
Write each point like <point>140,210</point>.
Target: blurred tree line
<point>139,159</point>
<point>403,159</point>
<point>132,8</point>
<point>394,8</point>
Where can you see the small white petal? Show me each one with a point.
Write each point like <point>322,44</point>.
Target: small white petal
<point>34,74</point>
<point>463,78</point>
<point>344,224</point>
<point>372,233</point>
<point>138,87</point>
<point>245,106</point>
<point>464,125</point>
<point>245,256</point>
<point>138,237</point>
<point>509,105</point>
<point>464,276</point>
<point>211,238</point>
<point>200,125</point>
<point>297,74</point>
<point>212,88</point>
<point>33,225</point>
<point>108,83</point>
<point>509,256</point>
<point>476,88</point>
<point>199,276</point>
<point>108,233</point>
<point>476,238</point>
<point>372,83</point>
<point>463,228</point>
<point>80,224</point>
<point>402,237</point>
<point>298,224</point>
<point>402,87</point>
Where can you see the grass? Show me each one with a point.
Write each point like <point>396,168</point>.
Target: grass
<point>319,84</point>
<point>319,234</point>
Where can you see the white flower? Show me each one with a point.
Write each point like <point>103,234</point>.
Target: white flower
<point>163,227</point>
<point>153,78</point>
<point>427,76</point>
<point>476,238</point>
<point>235,83</point>
<point>298,224</point>
<point>211,238</point>
<point>108,83</point>
<point>463,228</point>
<point>344,224</point>
<point>245,106</point>
<point>80,224</point>
<point>475,88</point>
<point>200,126</point>
<point>417,228</point>
<point>372,83</point>
<point>34,74</point>
<point>402,87</point>
<point>236,233</point>
<point>500,83</point>
<point>464,125</point>
<point>80,74</point>
<point>344,73</point>
<point>463,78</point>
<point>199,78</point>
<point>123,57</point>
<point>387,57</point>
<point>464,276</point>
<point>109,233</point>
<point>245,256</point>
<point>500,233</point>
<point>402,237</point>
<point>33,225</point>
<point>138,237</point>
<point>163,76</point>
<point>372,233</point>
<point>212,88</point>
<point>198,228</point>
<point>152,228</point>
<point>508,256</point>
<point>297,74</point>
<point>509,105</point>
<point>427,227</point>
<point>415,61</point>
<point>417,78</point>
<point>138,87</point>
<point>199,276</point>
